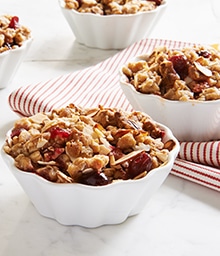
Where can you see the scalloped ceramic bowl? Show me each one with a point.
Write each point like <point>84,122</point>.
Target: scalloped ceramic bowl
<point>189,120</point>
<point>111,31</point>
<point>10,61</point>
<point>89,206</point>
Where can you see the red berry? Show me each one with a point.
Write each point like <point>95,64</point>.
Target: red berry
<point>138,164</point>
<point>157,2</point>
<point>180,65</point>
<point>199,87</point>
<point>14,23</point>
<point>79,2</point>
<point>204,54</point>
<point>93,178</point>
<point>57,132</point>
<point>16,132</point>
<point>53,154</point>
<point>116,152</point>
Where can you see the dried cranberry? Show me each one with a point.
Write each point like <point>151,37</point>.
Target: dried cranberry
<point>162,134</point>
<point>14,23</point>
<point>204,54</point>
<point>180,65</point>
<point>157,2</point>
<point>199,87</point>
<point>16,132</point>
<point>93,178</point>
<point>53,154</point>
<point>138,164</point>
<point>79,2</point>
<point>57,132</point>
<point>116,152</point>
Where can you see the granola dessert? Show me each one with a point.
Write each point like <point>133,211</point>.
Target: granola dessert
<point>191,73</point>
<point>12,34</point>
<point>95,146</point>
<point>108,7</point>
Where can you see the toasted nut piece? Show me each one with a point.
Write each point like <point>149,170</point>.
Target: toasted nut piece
<point>205,71</point>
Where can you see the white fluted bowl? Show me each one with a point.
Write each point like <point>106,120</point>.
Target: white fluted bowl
<point>111,31</point>
<point>10,61</point>
<point>93,206</point>
<point>191,120</point>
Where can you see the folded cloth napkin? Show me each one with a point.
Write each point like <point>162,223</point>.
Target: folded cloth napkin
<point>199,162</point>
<point>206,153</point>
<point>99,84</point>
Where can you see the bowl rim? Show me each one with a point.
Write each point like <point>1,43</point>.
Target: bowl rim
<point>20,48</point>
<point>172,155</point>
<point>88,14</point>
<point>123,82</point>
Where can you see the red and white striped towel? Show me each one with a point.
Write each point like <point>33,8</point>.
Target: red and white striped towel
<point>199,162</point>
<point>99,84</point>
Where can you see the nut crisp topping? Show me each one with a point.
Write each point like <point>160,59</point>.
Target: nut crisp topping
<point>95,146</point>
<point>12,34</point>
<point>108,7</point>
<point>191,73</point>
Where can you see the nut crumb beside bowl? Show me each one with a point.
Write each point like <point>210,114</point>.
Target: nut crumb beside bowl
<point>112,31</point>
<point>185,98</point>
<point>15,41</point>
<point>75,169</point>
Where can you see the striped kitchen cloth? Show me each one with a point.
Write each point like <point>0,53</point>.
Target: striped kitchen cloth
<point>199,162</point>
<point>99,84</point>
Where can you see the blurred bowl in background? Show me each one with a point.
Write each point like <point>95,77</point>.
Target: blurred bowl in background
<point>15,41</point>
<point>116,31</point>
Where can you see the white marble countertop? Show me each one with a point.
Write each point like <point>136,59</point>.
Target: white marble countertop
<point>182,218</point>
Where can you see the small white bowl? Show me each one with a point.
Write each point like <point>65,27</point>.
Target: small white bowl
<point>10,61</point>
<point>93,206</point>
<point>111,31</point>
<point>191,120</point>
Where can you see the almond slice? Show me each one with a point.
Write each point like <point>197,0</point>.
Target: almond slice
<point>46,163</point>
<point>205,71</point>
<point>128,156</point>
<point>63,178</point>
